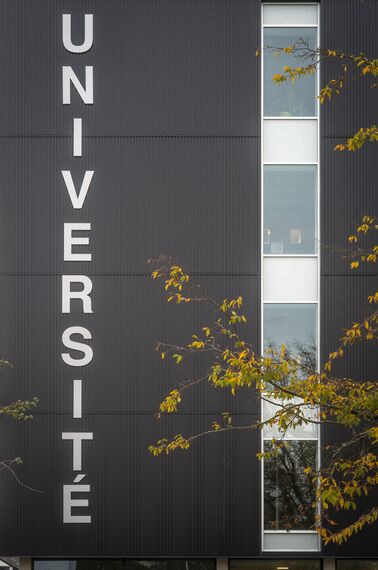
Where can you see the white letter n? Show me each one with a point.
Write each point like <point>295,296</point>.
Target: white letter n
<point>69,76</point>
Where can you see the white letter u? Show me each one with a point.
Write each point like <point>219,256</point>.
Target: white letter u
<point>88,34</point>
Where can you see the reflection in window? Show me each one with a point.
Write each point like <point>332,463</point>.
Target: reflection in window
<point>288,99</point>
<point>292,325</point>
<point>289,493</point>
<point>122,564</point>
<point>274,564</point>
<point>357,565</point>
<point>290,209</point>
<point>310,430</point>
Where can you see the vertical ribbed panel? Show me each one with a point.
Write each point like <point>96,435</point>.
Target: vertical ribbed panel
<point>349,26</point>
<point>130,315</point>
<point>160,67</point>
<point>173,139</point>
<point>196,199</point>
<point>345,301</point>
<point>348,190</point>
<point>192,502</point>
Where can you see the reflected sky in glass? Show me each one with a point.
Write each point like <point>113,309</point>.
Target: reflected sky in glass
<point>288,99</point>
<point>293,325</point>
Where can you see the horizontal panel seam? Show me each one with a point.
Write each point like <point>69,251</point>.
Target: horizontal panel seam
<point>192,273</point>
<point>361,275</point>
<point>133,136</point>
<point>143,412</point>
<point>337,136</point>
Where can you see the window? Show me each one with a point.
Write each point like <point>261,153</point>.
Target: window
<point>282,564</point>
<point>289,493</point>
<point>293,325</point>
<point>290,264</point>
<point>357,565</point>
<point>122,564</point>
<point>305,431</point>
<point>290,14</point>
<point>290,209</point>
<point>288,99</point>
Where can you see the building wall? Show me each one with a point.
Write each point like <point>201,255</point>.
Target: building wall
<point>173,137</point>
<point>348,192</point>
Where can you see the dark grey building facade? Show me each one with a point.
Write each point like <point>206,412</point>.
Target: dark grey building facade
<point>130,129</point>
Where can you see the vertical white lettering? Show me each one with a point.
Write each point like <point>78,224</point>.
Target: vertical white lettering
<point>77,137</point>
<point>77,287</point>
<point>75,345</point>
<point>69,76</point>
<point>82,295</point>
<point>77,199</point>
<point>88,34</point>
<point>77,438</point>
<point>69,241</point>
<point>68,502</point>
<point>77,398</point>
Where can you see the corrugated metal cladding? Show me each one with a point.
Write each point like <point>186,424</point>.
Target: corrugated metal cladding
<point>173,139</point>
<point>348,190</point>
<point>349,25</point>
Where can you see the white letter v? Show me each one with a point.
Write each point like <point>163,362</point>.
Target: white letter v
<point>77,200</point>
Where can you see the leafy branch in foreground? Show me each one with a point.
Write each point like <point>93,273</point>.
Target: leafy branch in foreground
<point>300,394</point>
<point>351,67</point>
<point>8,465</point>
<point>18,410</point>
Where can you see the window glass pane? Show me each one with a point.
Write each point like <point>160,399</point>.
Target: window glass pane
<point>281,540</point>
<point>290,141</point>
<point>357,565</point>
<point>290,209</point>
<point>310,430</point>
<point>274,564</point>
<point>290,279</point>
<point>289,493</point>
<point>288,99</point>
<point>293,325</point>
<point>164,564</point>
<point>54,564</point>
<point>289,14</point>
<point>169,564</point>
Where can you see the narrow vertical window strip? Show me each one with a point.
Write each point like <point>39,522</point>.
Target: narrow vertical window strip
<point>299,106</point>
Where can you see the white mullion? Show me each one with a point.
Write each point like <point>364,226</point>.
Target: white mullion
<point>318,458</point>
<point>290,4</point>
<point>296,163</point>
<point>283,255</point>
<point>290,118</point>
<point>290,26</point>
<point>262,264</point>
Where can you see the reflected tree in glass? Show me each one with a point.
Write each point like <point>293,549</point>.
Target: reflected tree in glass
<point>289,99</point>
<point>294,326</point>
<point>357,565</point>
<point>288,492</point>
<point>274,564</point>
<point>125,564</point>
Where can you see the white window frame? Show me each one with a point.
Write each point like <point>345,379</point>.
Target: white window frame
<point>262,255</point>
